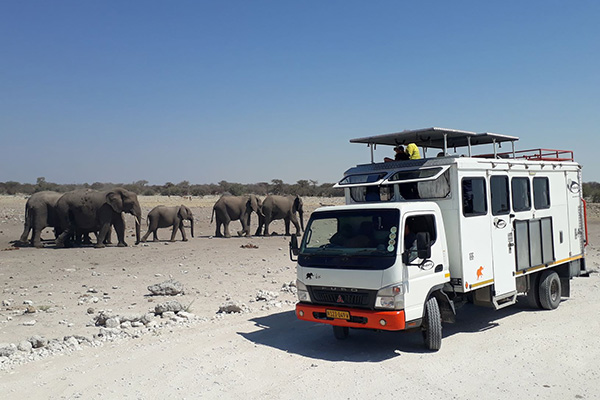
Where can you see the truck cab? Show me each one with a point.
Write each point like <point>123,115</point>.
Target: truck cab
<point>371,266</point>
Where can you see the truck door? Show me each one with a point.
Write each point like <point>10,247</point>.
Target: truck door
<point>503,257</point>
<point>575,235</point>
<point>421,275</point>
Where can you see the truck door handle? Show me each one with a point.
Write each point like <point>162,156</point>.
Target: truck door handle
<point>439,268</point>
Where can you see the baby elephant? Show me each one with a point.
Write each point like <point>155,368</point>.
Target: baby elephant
<point>163,217</point>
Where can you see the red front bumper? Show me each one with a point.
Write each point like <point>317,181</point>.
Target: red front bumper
<point>367,319</point>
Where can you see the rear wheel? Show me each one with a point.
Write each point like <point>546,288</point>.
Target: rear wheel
<point>550,290</point>
<point>341,332</point>
<point>432,325</point>
<point>533,294</point>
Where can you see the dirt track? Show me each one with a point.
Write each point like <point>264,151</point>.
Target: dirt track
<point>266,353</point>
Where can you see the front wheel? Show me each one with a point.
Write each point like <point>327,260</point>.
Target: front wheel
<point>432,325</point>
<point>341,332</point>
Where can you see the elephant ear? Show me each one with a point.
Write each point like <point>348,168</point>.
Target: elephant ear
<point>298,204</point>
<point>253,203</point>
<point>184,212</point>
<point>115,201</point>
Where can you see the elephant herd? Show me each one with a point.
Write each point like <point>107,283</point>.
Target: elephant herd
<point>74,215</point>
<point>231,208</point>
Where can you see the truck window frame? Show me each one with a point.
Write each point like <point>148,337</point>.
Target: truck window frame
<point>495,191</point>
<point>481,197</point>
<point>517,194</point>
<point>541,194</point>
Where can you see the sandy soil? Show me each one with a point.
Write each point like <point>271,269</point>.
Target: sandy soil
<point>265,352</point>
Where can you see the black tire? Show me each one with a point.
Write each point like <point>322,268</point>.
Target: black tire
<point>432,325</point>
<point>341,332</point>
<point>533,294</point>
<point>550,290</point>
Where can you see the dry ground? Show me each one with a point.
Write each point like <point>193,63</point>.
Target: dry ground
<point>512,353</point>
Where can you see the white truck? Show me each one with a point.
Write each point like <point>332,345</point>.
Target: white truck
<point>418,237</point>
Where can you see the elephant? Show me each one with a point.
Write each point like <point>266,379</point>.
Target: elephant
<point>40,213</point>
<point>281,207</point>
<point>230,208</point>
<point>91,210</point>
<point>163,217</point>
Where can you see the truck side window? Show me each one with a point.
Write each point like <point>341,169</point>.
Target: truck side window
<point>541,193</point>
<point>414,225</point>
<point>521,194</point>
<point>362,194</point>
<point>499,195</point>
<point>474,198</point>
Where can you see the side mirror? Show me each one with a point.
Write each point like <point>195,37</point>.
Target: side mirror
<point>423,245</point>
<point>294,249</point>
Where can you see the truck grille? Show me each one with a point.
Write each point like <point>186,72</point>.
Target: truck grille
<point>343,297</point>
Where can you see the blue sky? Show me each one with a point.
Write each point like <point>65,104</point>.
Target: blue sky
<point>250,91</point>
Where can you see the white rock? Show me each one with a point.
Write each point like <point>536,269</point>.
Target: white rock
<point>186,315</point>
<point>38,341</point>
<point>72,342</point>
<point>25,346</point>
<point>29,323</point>
<point>168,314</point>
<point>112,322</point>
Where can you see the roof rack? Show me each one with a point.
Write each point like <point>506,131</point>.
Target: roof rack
<point>440,138</point>
<point>534,155</point>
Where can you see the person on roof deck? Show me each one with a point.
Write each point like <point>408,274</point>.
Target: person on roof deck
<point>400,154</point>
<point>413,151</point>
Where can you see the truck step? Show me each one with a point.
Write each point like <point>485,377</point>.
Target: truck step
<point>504,300</point>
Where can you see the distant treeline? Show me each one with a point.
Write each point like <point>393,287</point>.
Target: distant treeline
<point>591,190</point>
<point>276,186</point>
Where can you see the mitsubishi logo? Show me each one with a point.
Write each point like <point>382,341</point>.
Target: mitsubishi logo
<point>339,299</point>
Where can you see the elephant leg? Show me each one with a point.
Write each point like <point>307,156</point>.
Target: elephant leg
<point>155,235</point>
<point>36,238</point>
<point>101,236</point>
<point>286,222</point>
<point>260,226</point>
<point>245,228</point>
<point>294,220</point>
<point>108,239</point>
<point>120,229</point>
<point>226,229</point>
<point>218,229</point>
<point>145,237</point>
<point>266,231</point>
<point>182,232</point>
<point>173,232</point>
<point>64,236</point>
<point>26,229</point>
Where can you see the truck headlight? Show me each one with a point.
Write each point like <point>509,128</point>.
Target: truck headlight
<point>302,292</point>
<point>390,297</point>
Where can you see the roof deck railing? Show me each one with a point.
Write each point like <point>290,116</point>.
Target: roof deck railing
<point>534,155</point>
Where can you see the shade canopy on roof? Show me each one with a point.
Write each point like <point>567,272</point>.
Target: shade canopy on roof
<point>436,138</point>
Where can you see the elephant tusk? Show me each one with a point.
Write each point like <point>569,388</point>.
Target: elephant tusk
<point>137,221</point>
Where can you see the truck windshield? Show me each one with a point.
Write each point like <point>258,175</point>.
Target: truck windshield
<point>351,239</point>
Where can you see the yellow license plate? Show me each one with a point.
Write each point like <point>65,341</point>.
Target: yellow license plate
<point>337,314</point>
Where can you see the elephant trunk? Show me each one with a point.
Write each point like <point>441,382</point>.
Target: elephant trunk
<point>192,226</point>
<point>137,213</point>
<point>301,220</point>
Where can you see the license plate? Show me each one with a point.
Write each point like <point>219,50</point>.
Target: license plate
<point>337,314</point>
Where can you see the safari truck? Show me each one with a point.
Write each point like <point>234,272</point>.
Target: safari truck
<point>417,238</point>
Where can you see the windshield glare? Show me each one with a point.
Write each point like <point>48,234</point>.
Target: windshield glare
<point>368,232</point>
